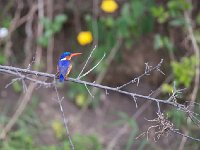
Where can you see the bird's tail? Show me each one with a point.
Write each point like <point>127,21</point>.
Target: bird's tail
<point>61,78</point>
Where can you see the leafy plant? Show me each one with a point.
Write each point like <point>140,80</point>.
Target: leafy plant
<point>160,13</point>
<point>167,88</point>
<point>177,117</point>
<point>163,42</point>
<point>84,142</point>
<point>22,137</point>
<point>6,22</point>
<point>124,118</point>
<point>58,128</point>
<point>184,71</point>
<point>173,13</point>
<point>2,58</point>
<point>17,87</point>
<point>51,27</point>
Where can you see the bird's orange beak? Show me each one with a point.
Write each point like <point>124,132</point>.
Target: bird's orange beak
<point>75,54</point>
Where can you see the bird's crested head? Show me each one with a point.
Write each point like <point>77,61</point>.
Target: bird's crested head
<point>68,55</point>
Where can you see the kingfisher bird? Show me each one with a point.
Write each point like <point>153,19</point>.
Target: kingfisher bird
<point>64,65</point>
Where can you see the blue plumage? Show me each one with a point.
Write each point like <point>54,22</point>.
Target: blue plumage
<point>64,65</point>
<point>65,54</point>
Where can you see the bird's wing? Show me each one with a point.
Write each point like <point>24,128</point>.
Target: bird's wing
<point>63,67</point>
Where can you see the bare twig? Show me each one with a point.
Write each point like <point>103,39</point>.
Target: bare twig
<point>161,125</point>
<point>86,62</point>
<point>92,67</point>
<point>89,91</point>
<point>148,70</point>
<point>12,70</point>
<point>185,135</point>
<point>108,61</point>
<point>22,77</point>
<point>63,115</point>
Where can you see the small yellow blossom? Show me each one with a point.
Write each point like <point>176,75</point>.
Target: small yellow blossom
<point>84,37</point>
<point>109,6</point>
<point>81,100</point>
<point>58,129</point>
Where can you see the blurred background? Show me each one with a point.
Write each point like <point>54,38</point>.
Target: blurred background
<point>34,33</point>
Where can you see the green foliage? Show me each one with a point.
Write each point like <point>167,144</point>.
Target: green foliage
<point>198,19</point>
<point>197,34</point>
<point>81,100</point>
<point>84,142</point>
<point>124,118</point>
<point>50,28</point>
<point>23,137</point>
<point>175,6</point>
<point>163,42</point>
<point>2,58</point>
<point>19,139</point>
<point>173,13</point>
<point>81,97</point>
<point>6,22</point>
<point>58,128</point>
<point>17,87</point>
<point>184,71</point>
<point>133,21</point>
<point>167,88</point>
<point>177,117</point>
<point>78,94</point>
<point>23,140</point>
<point>160,13</point>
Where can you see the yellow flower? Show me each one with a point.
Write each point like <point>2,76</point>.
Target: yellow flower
<point>109,6</point>
<point>84,37</point>
<point>58,129</point>
<point>81,100</point>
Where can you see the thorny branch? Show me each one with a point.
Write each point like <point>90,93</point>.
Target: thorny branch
<point>13,70</point>
<point>63,116</point>
<point>148,70</point>
<point>164,125</point>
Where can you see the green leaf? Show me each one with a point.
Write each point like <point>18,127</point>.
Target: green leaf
<point>43,41</point>
<point>158,42</point>
<point>6,22</point>
<point>46,23</point>
<point>2,58</point>
<point>17,87</point>
<point>160,13</point>
<point>167,88</point>
<point>184,71</point>
<point>137,9</point>
<point>177,22</point>
<point>198,19</point>
<point>177,117</point>
<point>61,18</point>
